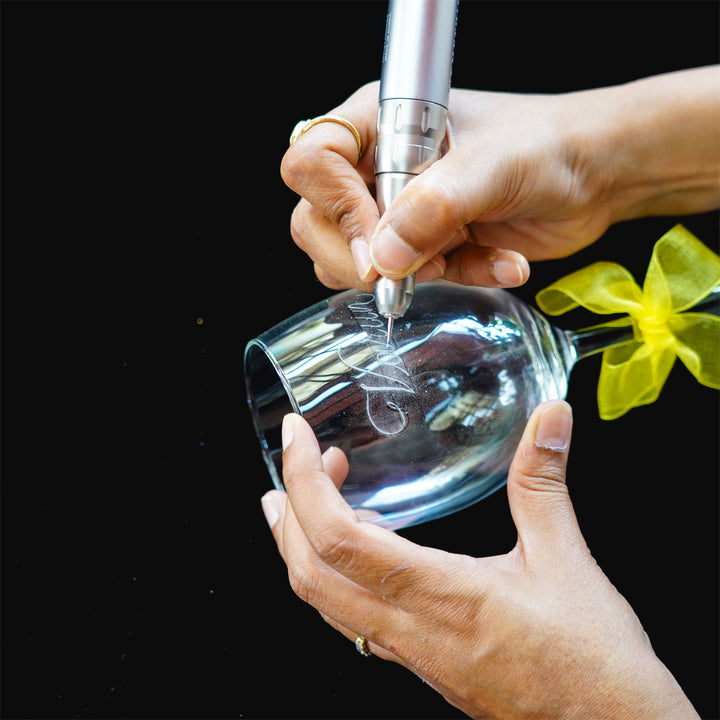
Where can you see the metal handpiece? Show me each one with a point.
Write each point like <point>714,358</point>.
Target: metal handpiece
<point>412,115</point>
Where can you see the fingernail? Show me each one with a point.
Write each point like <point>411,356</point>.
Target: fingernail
<point>270,510</point>
<point>509,269</point>
<point>431,270</point>
<point>554,428</point>
<point>288,431</point>
<point>391,254</point>
<point>361,256</point>
<point>331,450</point>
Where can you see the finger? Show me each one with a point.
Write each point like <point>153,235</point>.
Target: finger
<point>434,269</point>
<point>537,490</point>
<point>435,208</point>
<point>486,267</point>
<point>422,220</point>
<point>316,583</point>
<point>330,281</point>
<point>551,238</point>
<point>341,602</point>
<point>322,167</point>
<point>375,649</point>
<point>368,555</point>
<point>274,502</point>
<point>335,464</point>
<point>337,263</point>
<point>274,507</point>
<point>392,634</point>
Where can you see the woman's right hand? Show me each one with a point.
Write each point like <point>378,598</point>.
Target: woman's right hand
<point>523,177</point>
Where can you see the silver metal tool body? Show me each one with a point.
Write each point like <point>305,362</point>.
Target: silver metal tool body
<point>412,115</point>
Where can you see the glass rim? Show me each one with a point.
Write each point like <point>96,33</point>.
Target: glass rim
<point>253,346</point>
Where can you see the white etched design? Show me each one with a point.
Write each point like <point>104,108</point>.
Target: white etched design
<point>385,380</point>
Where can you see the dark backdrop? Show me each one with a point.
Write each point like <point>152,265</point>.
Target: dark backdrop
<point>146,240</point>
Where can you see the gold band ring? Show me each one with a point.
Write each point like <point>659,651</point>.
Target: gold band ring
<point>304,125</point>
<point>361,645</point>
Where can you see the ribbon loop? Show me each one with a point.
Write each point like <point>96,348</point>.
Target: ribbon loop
<point>682,271</point>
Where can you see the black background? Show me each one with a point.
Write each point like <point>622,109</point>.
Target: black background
<point>146,240</point>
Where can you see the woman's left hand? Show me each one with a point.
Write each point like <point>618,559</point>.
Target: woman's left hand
<point>539,632</point>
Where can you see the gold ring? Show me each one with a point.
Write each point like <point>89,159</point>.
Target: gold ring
<point>361,645</point>
<point>304,125</point>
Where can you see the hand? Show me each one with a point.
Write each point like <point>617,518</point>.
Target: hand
<point>539,632</point>
<point>524,176</point>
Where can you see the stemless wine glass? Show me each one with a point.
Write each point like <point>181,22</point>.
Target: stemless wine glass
<point>429,422</point>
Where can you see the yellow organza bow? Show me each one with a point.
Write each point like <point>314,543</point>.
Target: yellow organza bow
<point>682,272</point>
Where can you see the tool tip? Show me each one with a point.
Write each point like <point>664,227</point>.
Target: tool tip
<point>390,328</point>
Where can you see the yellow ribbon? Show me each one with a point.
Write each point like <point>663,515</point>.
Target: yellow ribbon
<point>682,272</point>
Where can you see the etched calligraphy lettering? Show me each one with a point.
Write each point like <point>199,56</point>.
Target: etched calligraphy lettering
<point>385,379</point>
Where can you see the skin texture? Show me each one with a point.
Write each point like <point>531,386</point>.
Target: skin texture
<point>537,633</point>
<point>524,177</point>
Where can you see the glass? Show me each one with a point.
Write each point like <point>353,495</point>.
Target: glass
<point>429,422</point>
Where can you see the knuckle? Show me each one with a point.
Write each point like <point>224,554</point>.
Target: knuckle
<point>444,204</point>
<point>343,210</point>
<point>331,195</point>
<point>336,547</point>
<point>440,201</point>
<point>465,269</point>
<point>470,266</point>
<point>304,583</point>
<point>549,479</point>
<point>295,165</point>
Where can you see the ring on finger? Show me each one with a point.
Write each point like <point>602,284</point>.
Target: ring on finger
<point>361,645</point>
<point>304,125</point>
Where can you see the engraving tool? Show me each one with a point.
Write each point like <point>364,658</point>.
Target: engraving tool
<point>412,115</point>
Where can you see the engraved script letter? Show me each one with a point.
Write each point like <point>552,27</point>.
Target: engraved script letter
<point>385,379</point>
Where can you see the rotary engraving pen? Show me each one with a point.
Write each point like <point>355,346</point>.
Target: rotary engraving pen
<point>412,115</point>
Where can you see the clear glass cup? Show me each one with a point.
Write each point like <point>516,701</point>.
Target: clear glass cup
<point>429,422</point>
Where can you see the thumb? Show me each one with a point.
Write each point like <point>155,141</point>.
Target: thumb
<point>537,492</point>
<point>428,219</point>
<point>425,217</point>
